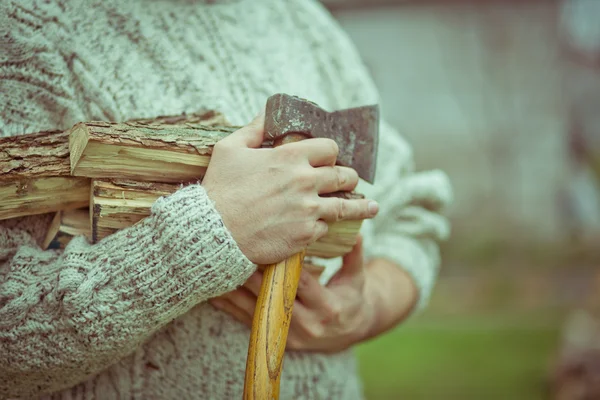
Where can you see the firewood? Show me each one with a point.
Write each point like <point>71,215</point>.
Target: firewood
<point>35,170</point>
<point>118,204</point>
<point>143,152</point>
<point>65,225</point>
<point>42,195</point>
<point>26,162</point>
<point>46,153</point>
<point>34,155</point>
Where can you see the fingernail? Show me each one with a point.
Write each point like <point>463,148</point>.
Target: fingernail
<point>373,207</point>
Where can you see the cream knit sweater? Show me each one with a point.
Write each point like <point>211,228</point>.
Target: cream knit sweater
<point>127,317</point>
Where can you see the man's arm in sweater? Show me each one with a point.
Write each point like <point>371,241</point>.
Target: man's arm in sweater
<point>67,315</point>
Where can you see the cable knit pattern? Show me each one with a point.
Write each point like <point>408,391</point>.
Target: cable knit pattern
<point>127,317</point>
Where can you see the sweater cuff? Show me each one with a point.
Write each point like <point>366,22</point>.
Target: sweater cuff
<point>198,245</point>
<point>421,263</point>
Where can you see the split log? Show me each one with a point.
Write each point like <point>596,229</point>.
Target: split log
<point>35,175</point>
<point>118,204</point>
<point>42,195</point>
<point>143,152</point>
<point>34,155</point>
<point>46,153</point>
<point>35,170</point>
<point>66,225</point>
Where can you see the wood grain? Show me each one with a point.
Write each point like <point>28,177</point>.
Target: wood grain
<point>42,195</point>
<point>66,225</point>
<point>270,328</point>
<point>272,316</point>
<point>35,170</point>
<point>143,152</point>
<point>118,204</point>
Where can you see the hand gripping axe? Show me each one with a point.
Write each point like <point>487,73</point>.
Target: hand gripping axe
<point>290,119</point>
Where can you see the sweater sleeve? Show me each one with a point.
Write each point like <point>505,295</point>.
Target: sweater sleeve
<point>411,223</point>
<point>66,315</point>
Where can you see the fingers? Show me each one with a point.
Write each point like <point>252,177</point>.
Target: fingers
<point>321,228</point>
<point>318,151</point>
<point>334,179</point>
<point>310,291</point>
<point>336,209</point>
<point>231,309</point>
<point>353,263</point>
<point>354,259</point>
<point>254,283</point>
<point>241,299</point>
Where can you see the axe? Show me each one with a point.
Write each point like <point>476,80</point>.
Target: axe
<point>290,119</point>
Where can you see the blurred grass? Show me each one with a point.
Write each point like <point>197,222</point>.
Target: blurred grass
<point>492,326</point>
<point>466,359</point>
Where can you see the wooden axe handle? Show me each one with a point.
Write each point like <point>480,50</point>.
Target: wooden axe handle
<point>271,322</point>
<point>270,328</point>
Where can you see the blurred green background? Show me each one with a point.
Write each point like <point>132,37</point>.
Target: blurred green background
<point>491,331</point>
<point>503,95</point>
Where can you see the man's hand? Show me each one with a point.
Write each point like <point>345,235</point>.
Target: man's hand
<point>269,198</point>
<point>358,303</point>
<point>325,319</point>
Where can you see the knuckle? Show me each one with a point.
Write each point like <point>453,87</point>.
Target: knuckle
<point>333,313</point>
<point>341,177</point>
<point>306,178</point>
<point>311,207</point>
<point>310,232</point>
<point>305,233</point>
<point>288,153</point>
<point>342,209</point>
<point>353,177</point>
<point>314,330</point>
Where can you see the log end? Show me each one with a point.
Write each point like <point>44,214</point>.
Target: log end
<point>78,140</point>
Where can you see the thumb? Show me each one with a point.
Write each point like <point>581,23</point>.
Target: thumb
<point>353,262</point>
<point>251,135</point>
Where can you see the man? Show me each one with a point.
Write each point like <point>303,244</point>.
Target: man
<point>129,317</point>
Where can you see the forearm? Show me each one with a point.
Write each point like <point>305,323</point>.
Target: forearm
<point>392,295</point>
<point>87,307</point>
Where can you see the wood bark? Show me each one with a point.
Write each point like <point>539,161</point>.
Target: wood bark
<point>34,155</point>
<point>47,153</point>
<point>35,170</point>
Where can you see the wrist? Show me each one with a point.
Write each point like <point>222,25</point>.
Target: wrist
<point>371,304</point>
<point>390,296</point>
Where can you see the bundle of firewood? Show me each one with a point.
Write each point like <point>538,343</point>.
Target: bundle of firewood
<point>99,177</point>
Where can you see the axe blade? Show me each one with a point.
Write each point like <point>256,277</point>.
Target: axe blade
<point>355,130</point>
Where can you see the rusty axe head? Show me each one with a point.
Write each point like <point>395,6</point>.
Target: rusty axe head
<point>355,130</point>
